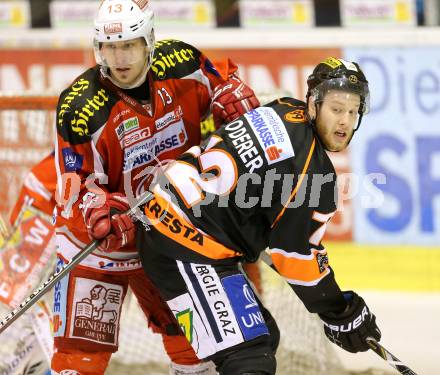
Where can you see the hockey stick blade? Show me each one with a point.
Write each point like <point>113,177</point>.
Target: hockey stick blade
<point>372,343</point>
<point>392,360</point>
<point>56,276</point>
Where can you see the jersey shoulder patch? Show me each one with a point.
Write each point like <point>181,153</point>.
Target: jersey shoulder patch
<point>174,59</point>
<point>300,132</point>
<point>271,133</point>
<point>292,111</point>
<point>83,107</point>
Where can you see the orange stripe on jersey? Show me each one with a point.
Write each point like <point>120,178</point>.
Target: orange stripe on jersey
<point>167,221</point>
<point>301,178</point>
<point>306,270</point>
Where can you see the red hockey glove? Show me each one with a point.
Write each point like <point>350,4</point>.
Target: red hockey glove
<point>232,99</point>
<point>107,223</point>
<point>350,328</point>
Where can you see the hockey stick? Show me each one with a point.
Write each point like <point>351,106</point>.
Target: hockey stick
<point>5,232</point>
<point>56,276</point>
<point>389,357</point>
<point>372,343</point>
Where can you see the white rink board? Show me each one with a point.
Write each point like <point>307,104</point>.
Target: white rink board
<point>241,38</point>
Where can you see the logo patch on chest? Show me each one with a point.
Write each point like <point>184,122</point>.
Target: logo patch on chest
<point>127,126</point>
<point>146,151</point>
<point>169,118</point>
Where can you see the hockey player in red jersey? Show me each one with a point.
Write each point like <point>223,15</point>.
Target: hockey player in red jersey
<point>38,189</point>
<point>27,256</point>
<point>142,103</point>
<point>261,181</point>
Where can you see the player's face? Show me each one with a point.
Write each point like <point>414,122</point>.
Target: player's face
<point>336,119</point>
<point>125,59</point>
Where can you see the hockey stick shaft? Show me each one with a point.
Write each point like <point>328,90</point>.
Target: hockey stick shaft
<point>392,360</point>
<point>56,276</point>
<point>5,232</point>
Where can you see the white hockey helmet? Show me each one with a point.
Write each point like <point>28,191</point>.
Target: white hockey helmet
<point>122,20</point>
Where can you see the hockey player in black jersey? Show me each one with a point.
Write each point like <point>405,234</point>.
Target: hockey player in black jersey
<point>261,181</point>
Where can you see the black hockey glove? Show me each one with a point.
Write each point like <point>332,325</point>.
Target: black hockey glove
<point>350,328</point>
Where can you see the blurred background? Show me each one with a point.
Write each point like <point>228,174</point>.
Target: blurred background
<point>385,238</point>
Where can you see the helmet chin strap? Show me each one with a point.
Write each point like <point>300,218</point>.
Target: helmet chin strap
<point>357,127</point>
<point>139,81</point>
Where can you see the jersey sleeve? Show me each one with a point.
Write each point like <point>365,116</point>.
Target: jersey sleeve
<point>214,72</point>
<point>217,73</point>
<point>79,166</point>
<point>175,60</point>
<point>210,74</point>
<point>300,221</point>
<point>304,263</point>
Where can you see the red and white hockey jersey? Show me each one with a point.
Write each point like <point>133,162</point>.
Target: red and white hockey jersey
<point>108,138</point>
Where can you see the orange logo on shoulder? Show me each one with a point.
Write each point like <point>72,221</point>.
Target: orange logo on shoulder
<point>273,152</point>
<point>295,116</point>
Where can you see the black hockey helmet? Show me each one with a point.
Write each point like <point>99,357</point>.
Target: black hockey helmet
<point>338,74</point>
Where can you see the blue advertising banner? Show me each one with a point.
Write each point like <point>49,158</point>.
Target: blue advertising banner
<point>396,154</point>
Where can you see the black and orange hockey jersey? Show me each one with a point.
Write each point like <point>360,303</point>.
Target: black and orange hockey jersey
<point>262,181</point>
<point>106,136</point>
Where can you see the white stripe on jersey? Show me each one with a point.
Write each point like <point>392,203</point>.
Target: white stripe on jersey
<point>292,254</point>
<point>307,283</point>
<point>210,298</point>
<point>35,185</point>
<point>98,164</point>
<point>199,76</point>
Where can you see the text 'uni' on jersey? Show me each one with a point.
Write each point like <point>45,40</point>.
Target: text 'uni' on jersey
<point>103,130</point>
